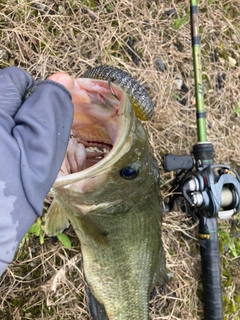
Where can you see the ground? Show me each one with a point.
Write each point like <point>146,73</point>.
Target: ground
<point>150,40</point>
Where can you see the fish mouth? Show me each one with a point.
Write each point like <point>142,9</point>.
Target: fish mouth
<point>94,152</point>
<point>101,126</point>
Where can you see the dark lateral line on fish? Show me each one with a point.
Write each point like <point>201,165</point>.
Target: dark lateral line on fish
<point>201,114</point>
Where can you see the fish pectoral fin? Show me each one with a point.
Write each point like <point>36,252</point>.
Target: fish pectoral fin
<point>91,228</point>
<point>56,220</point>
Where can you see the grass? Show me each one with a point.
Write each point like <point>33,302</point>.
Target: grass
<point>45,280</point>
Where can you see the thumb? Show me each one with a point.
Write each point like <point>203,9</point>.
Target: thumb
<point>62,78</point>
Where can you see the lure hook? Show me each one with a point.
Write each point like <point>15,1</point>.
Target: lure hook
<point>111,89</point>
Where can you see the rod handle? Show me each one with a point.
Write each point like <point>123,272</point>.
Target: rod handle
<point>211,274</point>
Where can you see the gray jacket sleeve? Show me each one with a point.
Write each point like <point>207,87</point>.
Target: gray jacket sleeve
<point>33,141</point>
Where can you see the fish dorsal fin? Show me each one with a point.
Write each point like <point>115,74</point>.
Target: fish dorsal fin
<point>56,220</point>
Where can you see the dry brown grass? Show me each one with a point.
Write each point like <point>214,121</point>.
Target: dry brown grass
<point>43,37</point>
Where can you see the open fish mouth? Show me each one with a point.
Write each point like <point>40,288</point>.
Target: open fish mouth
<point>102,118</point>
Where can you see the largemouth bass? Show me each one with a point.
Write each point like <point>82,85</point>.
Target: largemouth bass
<point>108,188</point>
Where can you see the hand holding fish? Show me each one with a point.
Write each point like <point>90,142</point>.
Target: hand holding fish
<point>34,136</point>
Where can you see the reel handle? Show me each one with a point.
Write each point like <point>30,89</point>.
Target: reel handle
<point>172,162</point>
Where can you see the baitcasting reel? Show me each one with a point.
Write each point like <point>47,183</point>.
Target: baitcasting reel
<point>210,192</point>
<point>213,190</point>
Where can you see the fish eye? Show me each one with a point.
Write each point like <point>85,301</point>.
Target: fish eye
<point>129,173</point>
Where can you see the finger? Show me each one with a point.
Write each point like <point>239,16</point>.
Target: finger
<point>76,156</point>
<point>14,82</point>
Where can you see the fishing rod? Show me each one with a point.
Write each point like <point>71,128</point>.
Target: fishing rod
<point>210,191</point>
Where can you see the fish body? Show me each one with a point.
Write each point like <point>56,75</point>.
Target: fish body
<point>108,188</point>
